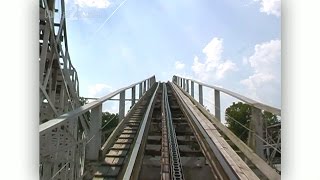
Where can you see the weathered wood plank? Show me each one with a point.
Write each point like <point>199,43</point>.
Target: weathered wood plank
<point>237,164</point>
<point>254,158</point>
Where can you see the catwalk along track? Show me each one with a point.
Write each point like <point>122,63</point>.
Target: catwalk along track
<point>164,137</point>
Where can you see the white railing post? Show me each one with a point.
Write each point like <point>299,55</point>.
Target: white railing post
<point>256,124</point>
<point>133,95</point>
<point>200,95</point>
<point>192,88</point>
<point>217,111</point>
<point>140,90</point>
<point>93,147</point>
<point>122,104</point>
<point>187,86</point>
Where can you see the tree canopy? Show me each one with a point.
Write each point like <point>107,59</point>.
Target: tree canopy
<point>241,113</point>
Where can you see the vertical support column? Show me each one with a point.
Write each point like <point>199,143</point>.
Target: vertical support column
<point>187,86</point>
<point>217,111</point>
<point>147,85</point>
<point>140,90</point>
<point>46,170</point>
<point>200,95</point>
<point>122,104</point>
<point>144,86</point>
<point>133,95</point>
<point>183,84</point>
<point>154,79</point>
<point>192,89</point>
<point>93,147</point>
<point>256,124</point>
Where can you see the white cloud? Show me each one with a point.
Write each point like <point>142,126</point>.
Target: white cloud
<point>213,66</point>
<point>93,3</point>
<point>265,83</point>
<point>99,90</point>
<point>245,61</point>
<point>224,67</point>
<point>179,65</point>
<point>270,7</point>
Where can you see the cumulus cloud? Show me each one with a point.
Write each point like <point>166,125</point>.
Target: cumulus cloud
<point>93,3</point>
<point>271,7</point>
<point>179,65</point>
<point>99,90</point>
<point>265,82</point>
<point>213,66</point>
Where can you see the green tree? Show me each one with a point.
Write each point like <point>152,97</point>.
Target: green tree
<point>241,113</point>
<point>238,113</point>
<point>109,120</point>
<point>270,118</point>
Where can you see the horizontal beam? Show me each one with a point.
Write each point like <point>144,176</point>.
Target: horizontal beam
<point>252,102</point>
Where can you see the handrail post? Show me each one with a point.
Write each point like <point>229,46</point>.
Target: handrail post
<point>187,86</point>
<point>140,90</point>
<point>93,147</point>
<point>256,124</point>
<point>147,85</point>
<point>183,84</point>
<point>122,104</point>
<point>217,111</point>
<point>192,88</point>
<point>133,95</point>
<point>200,95</point>
<point>174,79</point>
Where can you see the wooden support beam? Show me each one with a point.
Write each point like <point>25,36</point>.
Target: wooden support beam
<point>93,147</point>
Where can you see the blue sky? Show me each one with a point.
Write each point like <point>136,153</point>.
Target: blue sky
<point>235,44</point>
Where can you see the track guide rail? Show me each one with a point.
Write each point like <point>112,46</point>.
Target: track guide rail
<point>176,167</point>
